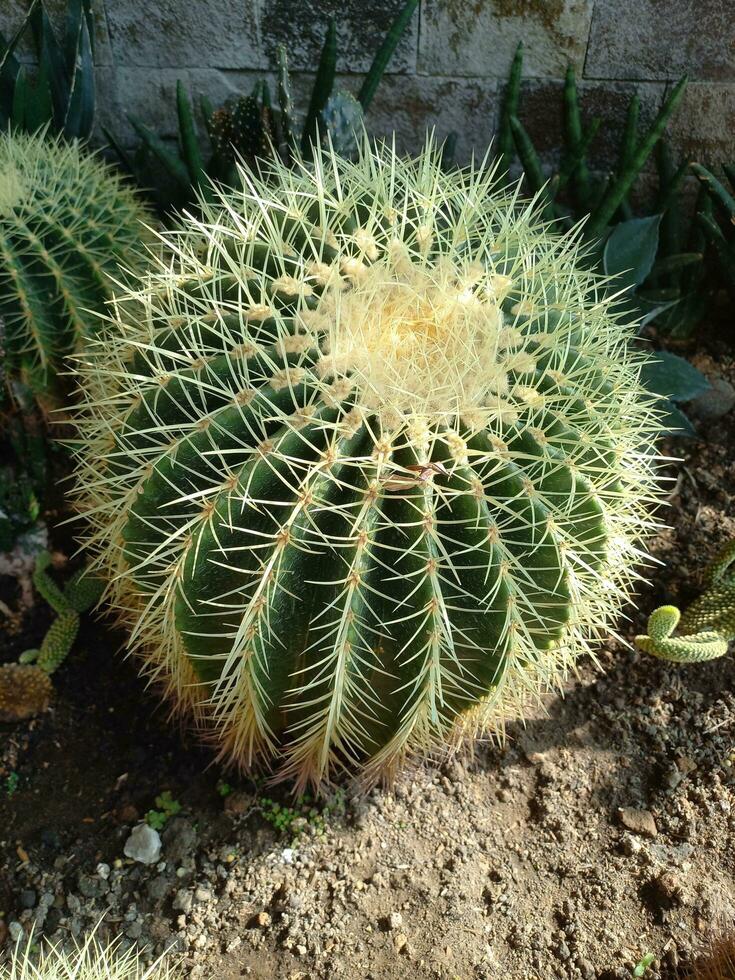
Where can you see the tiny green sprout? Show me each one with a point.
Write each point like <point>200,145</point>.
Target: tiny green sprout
<point>641,967</point>
<point>223,788</point>
<point>11,784</point>
<point>167,808</point>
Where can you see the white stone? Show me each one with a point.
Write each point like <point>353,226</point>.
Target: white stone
<point>143,845</point>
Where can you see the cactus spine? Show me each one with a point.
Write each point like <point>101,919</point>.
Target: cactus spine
<point>369,465</point>
<point>66,220</point>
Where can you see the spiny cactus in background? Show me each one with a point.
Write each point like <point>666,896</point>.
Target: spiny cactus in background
<point>25,687</point>
<point>366,462</point>
<point>707,626</point>
<point>90,959</point>
<point>25,691</point>
<point>66,221</point>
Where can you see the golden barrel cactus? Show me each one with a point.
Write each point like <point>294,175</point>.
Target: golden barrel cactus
<point>366,462</point>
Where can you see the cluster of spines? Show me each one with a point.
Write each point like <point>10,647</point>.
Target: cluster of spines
<point>66,223</point>
<point>289,557</point>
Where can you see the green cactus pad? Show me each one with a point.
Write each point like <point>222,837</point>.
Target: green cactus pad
<point>66,221</point>
<point>368,468</point>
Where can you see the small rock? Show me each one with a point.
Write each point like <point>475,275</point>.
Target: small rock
<point>639,821</point>
<point>401,942</point>
<point>715,402</point>
<point>287,855</point>
<point>261,920</point>
<point>238,803</point>
<point>27,898</point>
<point>15,930</point>
<point>103,870</point>
<point>158,888</point>
<point>180,840</point>
<point>202,895</point>
<point>143,845</point>
<point>126,813</point>
<point>134,930</point>
<point>394,920</point>
<point>183,900</point>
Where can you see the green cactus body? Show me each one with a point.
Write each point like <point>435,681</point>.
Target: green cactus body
<point>66,220</point>
<point>368,466</point>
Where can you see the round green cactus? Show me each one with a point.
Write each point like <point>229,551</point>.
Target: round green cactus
<point>369,465</point>
<point>66,221</point>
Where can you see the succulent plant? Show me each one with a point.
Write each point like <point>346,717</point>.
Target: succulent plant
<point>79,594</point>
<point>366,462</point>
<point>25,687</point>
<point>342,117</point>
<point>707,627</point>
<point>66,221</point>
<point>60,93</point>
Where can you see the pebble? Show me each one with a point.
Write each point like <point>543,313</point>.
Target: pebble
<point>103,870</point>
<point>639,821</point>
<point>28,898</point>
<point>143,845</point>
<point>179,840</point>
<point>715,402</point>
<point>287,855</point>
<point>15,931</point>
<point>395,920</point>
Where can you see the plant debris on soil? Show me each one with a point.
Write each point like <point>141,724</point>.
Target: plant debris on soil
<point>596,841</point>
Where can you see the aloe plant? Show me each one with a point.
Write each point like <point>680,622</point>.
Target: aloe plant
<point>253,127</point>
<point>59,92</point>
<point>369,467</point>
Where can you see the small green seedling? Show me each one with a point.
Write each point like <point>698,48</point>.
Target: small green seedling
<point>167,808</point>
<point>641,967</point>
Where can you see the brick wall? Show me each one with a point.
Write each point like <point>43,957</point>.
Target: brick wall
<point>449,69</point>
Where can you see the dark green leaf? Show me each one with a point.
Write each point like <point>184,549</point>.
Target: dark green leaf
<point>674,377</point>
<point>675,422</point>
<point>323,84</point>
<point>51,57</point>
<point>80,112</point>
<point>384,54</point>
<point>630,251</point>
<point>168,160</point>
<point>188,136</point>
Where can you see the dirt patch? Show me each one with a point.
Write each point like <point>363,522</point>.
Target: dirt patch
<point>600,832</point>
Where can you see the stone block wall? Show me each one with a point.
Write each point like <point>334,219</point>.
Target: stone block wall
<point>448,72</point>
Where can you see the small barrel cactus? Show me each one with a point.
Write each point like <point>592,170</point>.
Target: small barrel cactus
<point>368,463</point>
<point>66,221</point>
